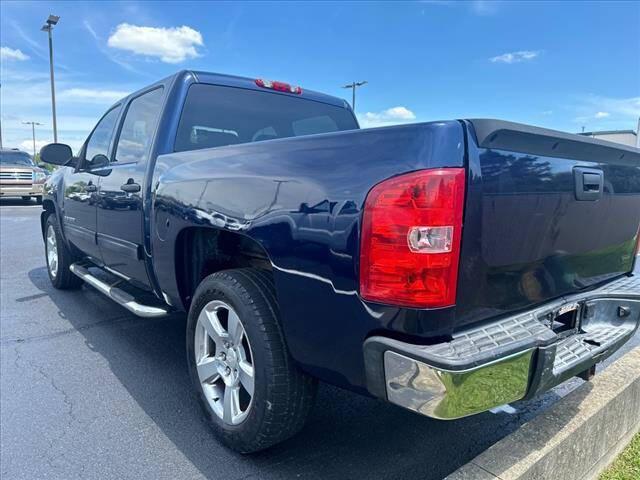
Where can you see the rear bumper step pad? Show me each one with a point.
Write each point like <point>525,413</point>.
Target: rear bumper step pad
<point>511,359</point>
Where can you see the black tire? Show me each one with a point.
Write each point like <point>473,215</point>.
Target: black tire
<point>63,279</point>
<point>39,199</point>
<point>283,395</point>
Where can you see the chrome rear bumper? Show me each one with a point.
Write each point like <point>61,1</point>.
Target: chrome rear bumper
<point>507,360</point>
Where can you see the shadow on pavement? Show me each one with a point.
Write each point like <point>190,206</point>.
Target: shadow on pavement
<point>347,436</point>
<point>15,202</point>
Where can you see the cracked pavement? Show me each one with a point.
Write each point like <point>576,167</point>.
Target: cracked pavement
<point>88,390</point>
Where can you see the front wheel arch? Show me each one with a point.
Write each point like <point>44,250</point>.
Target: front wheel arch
<point>48,208</point>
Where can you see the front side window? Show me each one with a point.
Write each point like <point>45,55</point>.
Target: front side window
<point>139,126</point>
<point>100,139</point>
<point>215,116</point>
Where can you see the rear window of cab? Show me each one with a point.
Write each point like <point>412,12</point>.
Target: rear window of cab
<point>215,116</point>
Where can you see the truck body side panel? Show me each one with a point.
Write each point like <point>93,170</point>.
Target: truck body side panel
<point>301,199</point>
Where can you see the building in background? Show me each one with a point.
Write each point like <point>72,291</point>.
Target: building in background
<point>626,137</point>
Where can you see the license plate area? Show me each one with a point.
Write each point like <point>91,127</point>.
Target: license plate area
<point>565,320</point>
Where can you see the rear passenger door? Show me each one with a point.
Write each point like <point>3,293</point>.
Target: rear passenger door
<point>120,214</point>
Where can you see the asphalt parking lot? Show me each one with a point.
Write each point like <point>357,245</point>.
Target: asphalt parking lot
<point>88,390</point>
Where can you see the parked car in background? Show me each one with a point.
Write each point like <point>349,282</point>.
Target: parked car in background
<point>446,267</point>
<point>19,175</point>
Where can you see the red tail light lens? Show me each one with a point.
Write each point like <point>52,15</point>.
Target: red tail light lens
<point>411,231</point>
<point>279,86</point>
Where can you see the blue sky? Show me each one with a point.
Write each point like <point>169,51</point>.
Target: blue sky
<point>561,65</point>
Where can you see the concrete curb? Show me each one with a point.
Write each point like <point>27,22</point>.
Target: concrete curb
<point>575,439</point>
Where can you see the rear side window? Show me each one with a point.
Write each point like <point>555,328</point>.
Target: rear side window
<point>138,128</point>
<point>100,139</point>
<point>215,116</point>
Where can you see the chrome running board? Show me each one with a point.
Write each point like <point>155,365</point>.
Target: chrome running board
<point>117,295</point>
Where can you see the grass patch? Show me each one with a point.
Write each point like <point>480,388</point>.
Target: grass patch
<point>627,465</point>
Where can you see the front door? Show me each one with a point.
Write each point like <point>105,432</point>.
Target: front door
<point>120,219</point>
<point>81,187</point>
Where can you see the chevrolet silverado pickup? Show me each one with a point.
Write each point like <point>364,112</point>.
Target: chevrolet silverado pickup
<point>447,267</point>
<point>19,176</point>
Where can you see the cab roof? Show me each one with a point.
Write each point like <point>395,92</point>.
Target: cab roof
<point>250,83</point>
<point>239,82</point>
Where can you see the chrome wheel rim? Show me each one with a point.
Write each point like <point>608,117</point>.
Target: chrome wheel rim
<point>224,362</point>
<point>52,251</point>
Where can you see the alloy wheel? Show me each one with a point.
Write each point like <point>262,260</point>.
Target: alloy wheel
<point>52,251</point>
<point>224,362</point>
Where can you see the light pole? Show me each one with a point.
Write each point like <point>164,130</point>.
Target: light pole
<point>353,86</point>
<point>48,27</point>
<point>33,135</point>
<point>0,118</point>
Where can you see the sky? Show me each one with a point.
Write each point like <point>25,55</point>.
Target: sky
<point>561,65</point>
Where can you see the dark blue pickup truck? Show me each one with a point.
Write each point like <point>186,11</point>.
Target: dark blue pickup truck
<point>446,267</point>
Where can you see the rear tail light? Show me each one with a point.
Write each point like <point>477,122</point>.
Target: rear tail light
<point>411,231</point>
<point>279,86</point>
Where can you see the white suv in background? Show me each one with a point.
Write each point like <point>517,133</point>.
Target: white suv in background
<point>19,175</point>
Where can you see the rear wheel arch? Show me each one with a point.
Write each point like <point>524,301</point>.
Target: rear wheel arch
<point>202,251</point>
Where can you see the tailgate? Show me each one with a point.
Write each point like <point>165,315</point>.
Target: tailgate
<point>547,214</point>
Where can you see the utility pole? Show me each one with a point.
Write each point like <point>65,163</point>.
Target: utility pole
<point>48,27</point>
<point>33,135</point>
<point>353,86</point>
<point>0,118</point>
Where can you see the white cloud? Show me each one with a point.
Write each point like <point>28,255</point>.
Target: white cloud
<point>515,57</point>
<point>613,111</point>
<point>7,53</point>
<point>390,116</point>
<point>92,95</point>
<point>626,107</point>
<point>36,47</point>
<point>105,51</point>
<point>90,29</point>
<point>478,7</point>
<point>547,112</point>
<point>171,45</point>
<point>484,7</point>
<point>27,145</point>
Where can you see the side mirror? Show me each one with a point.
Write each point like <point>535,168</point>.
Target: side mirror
<point>57,154</point>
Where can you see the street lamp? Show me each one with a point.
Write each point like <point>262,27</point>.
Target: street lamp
<point>48,27</point>
<point>33,135</point>
<point>0,118</point>
<point>353,86</point>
